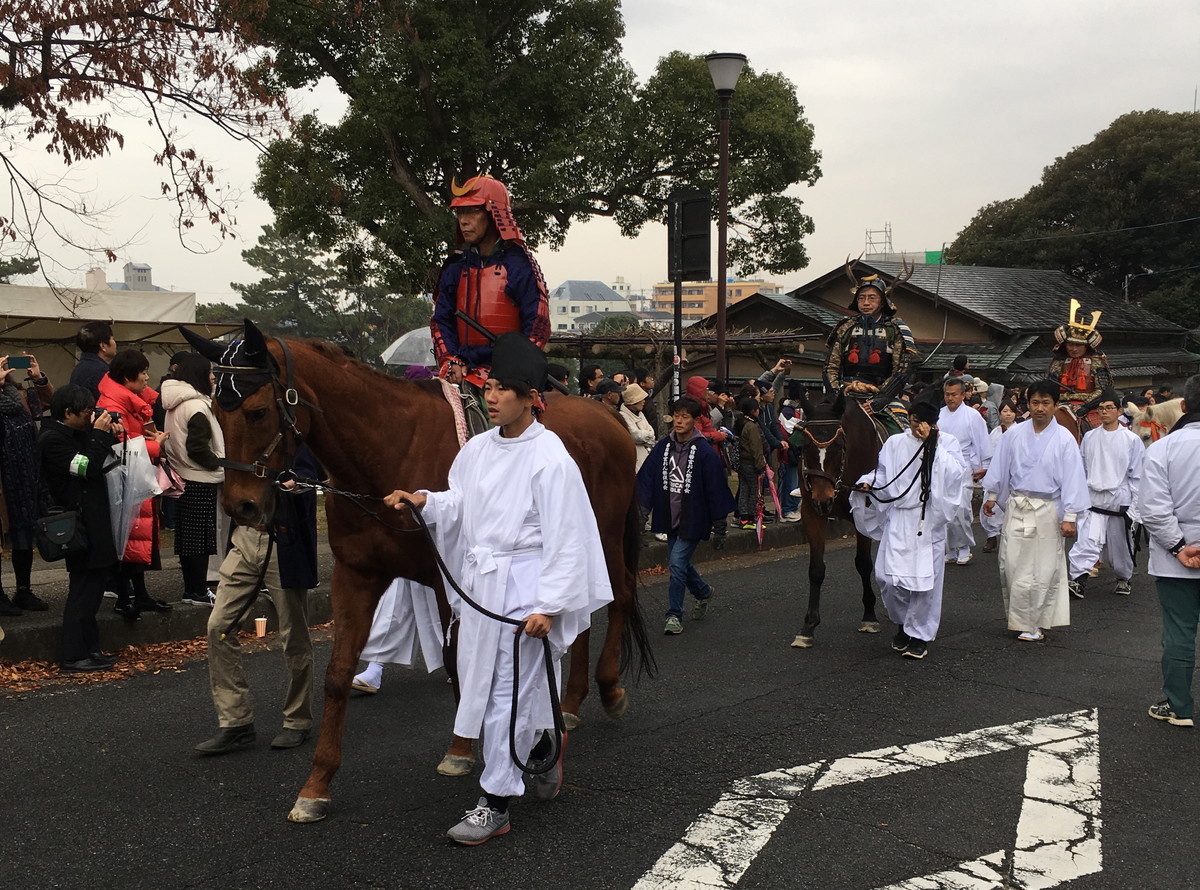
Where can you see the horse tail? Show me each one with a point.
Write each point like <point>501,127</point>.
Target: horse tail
<point>635,641</point>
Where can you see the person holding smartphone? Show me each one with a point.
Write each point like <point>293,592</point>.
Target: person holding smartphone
<point>24,394</point>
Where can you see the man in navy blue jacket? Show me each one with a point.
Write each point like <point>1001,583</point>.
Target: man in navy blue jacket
<point>683,482</point>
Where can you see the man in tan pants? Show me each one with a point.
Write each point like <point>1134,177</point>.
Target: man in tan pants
<point>231,695</point>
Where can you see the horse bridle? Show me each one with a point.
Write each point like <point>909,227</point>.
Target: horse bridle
<point>806,472</point>
<point>287,397</point>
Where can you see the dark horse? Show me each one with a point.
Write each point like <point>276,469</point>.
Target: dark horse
<point>374,434</point>
<point>841,443</point>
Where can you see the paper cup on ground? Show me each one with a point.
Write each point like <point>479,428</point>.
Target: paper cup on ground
<point>260,627</point>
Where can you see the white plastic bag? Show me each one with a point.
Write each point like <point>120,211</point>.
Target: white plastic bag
<point>131,482</point>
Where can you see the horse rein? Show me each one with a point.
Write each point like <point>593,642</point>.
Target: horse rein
<point>1157,430</point>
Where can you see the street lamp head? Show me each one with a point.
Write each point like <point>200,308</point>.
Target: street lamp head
<point>725,69</point>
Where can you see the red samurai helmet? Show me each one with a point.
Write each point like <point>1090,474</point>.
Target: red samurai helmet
<point>484,191</point>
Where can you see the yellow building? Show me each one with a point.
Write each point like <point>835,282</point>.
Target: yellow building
<point>700,297</point>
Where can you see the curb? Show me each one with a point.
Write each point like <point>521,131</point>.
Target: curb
<point>35,635</point>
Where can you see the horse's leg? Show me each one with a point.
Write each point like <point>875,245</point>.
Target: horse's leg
<point>354,597</point>
<point>815,529</point>
<point>459,758</point>
<point>863,565</point>
<point>575,690</point>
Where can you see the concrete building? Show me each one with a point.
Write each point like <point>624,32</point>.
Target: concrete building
<point>574,298</point>
<point>700,297</point>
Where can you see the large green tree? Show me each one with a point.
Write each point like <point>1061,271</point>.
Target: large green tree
<point>534,92</point>
<point>306,293</point>
<point>1132,186</point>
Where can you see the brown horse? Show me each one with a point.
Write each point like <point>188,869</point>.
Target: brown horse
<point>374,434</point>
<point>841,443</point>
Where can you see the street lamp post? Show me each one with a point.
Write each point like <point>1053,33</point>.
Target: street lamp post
<point>725,69</point>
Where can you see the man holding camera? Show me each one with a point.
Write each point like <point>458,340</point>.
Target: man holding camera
<point>72,448</point>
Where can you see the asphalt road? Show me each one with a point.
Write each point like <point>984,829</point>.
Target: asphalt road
<point>99,787</point>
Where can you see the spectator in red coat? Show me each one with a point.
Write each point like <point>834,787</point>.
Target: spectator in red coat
<point>697,388</point>
<point>125,391</point>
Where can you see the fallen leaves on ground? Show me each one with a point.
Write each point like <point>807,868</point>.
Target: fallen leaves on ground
<point>153,658</point>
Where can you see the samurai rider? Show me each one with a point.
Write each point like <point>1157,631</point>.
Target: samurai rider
<point>871,352</point>
<point>1080,369</point>
<point>490,278</point>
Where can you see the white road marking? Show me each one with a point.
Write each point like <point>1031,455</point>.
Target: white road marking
<point>1057,834</point>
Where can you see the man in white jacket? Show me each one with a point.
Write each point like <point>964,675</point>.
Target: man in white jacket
<point>1168,505</point>
<point>517,530</point>
<point>969,429</point>
<point>1112,459</point>
<point>906,504</point>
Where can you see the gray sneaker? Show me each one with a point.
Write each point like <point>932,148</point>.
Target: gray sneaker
<point>1163,711</point>
<point>673,626</point>
<point>546,785</point>
<point>701,608</point>
<point>1123,588</point>
<point>479,825</point>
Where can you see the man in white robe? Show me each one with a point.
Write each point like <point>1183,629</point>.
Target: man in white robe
<point>913,497</point>
<point>967,426</point>
<point>517,531</point>
<point>1112,459</point>
<point>1037,476</point>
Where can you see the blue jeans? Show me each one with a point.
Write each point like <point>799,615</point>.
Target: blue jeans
<point>791,481</point>
<point>683,574</point>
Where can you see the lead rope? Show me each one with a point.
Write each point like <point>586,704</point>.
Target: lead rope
<point>548,658</point>
<point>560,728</point>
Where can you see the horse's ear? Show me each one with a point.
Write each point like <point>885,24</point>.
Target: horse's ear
<point>805,404</point>
<point>839,405</point>
<point>256,345</point>
<point>210,349</point>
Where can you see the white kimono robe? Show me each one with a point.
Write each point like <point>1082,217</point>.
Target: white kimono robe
<point>970,429</point>
<point>517,531</point>
<point>910,563</point>
<point>1113,463</point>
<point>1039,480</point>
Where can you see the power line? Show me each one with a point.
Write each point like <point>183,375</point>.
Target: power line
<point>1174,222</point>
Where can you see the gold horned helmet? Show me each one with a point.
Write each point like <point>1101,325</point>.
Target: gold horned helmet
<point>1076,330</point>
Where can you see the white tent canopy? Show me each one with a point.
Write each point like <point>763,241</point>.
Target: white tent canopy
<point>44,321</point>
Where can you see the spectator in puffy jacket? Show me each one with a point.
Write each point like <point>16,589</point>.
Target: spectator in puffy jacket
<point>125,390</point>
<point>195,446</point>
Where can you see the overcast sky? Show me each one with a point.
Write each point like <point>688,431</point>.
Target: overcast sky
<point>923,113</point>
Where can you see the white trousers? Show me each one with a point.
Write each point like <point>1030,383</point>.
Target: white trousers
<point>918,612</point>
<point>500,775</point>
<point>1033,565</point>
<point>1106,536</point>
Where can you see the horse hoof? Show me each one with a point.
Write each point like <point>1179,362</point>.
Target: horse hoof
<point>802,642</point>
<point>455,765</point>
<point>618,708</point>
<point>309,809</point>
<point>571,721</point>
<point>869,627</point>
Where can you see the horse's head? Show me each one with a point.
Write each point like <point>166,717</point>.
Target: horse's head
<point>823,455</point>
<point>1154,421</point>
<point>256,411</point>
